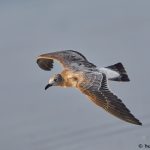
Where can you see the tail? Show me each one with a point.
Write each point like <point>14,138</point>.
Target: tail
<point>121,71</point>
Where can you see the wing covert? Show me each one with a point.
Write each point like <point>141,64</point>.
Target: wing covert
<point>69,59</point>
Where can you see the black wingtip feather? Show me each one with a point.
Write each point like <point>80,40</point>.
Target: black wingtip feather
<point>135,121</point>
<point>45,64</point>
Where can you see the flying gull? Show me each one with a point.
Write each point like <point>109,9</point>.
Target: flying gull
<point>89,79</point>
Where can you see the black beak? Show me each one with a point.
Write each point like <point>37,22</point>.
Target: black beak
<point>47,86</point>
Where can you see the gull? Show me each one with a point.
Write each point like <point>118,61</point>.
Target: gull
<point>89,79</point>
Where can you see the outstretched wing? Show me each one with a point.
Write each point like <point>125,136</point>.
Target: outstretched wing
<point>95,87</point>
<point>69,59</point>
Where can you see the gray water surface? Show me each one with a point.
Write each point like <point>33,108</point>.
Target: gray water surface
<point>106,32</point>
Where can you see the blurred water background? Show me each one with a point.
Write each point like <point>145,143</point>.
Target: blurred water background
<point>106,32</point>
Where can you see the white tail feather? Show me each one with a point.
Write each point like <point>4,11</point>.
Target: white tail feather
<point>111,74</point>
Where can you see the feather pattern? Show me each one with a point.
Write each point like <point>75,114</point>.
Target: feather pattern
<point>95,87</point>
<point>69,59</point>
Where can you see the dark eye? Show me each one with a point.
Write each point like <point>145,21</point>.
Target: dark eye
<point>55,79</point>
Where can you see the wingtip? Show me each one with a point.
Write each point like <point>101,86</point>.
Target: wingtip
<point>45,64</point>
<point>139,123</point>
<point>136,122</point>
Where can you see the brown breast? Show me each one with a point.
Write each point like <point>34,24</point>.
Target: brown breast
<point>71,78</point>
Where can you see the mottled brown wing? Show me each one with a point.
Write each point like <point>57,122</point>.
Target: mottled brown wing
<point>96,89</point>
<point>69,59</point>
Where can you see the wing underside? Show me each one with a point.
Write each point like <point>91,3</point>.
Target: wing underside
<point>103,97</point>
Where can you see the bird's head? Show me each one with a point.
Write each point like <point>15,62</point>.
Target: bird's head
<point>57,80</point>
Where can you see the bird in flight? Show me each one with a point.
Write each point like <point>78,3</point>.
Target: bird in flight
<point>89,79</point>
